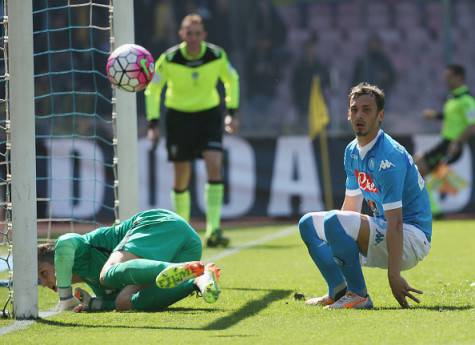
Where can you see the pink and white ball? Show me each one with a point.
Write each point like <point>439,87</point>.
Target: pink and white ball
<point>130,67</point>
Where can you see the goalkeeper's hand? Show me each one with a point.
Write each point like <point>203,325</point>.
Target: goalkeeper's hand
<point>84,297</point>
<point>66,300</point>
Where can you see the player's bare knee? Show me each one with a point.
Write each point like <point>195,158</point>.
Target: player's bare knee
<point>123,303</point>
<point>123,300</point>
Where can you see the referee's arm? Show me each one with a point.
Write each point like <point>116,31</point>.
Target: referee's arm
<point>230,79</point>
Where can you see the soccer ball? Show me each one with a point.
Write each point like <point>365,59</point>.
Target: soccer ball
<point>130,67</point>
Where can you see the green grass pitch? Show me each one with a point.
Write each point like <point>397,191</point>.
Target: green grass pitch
<point>257,304</point>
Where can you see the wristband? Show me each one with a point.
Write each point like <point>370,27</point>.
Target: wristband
<point>231,112</point>
<point>65,293</point>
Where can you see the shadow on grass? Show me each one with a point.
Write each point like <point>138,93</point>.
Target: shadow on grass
<point>128,326</point>
<point>250,309</point>
<point>192,310</point>
<point>439,308</point>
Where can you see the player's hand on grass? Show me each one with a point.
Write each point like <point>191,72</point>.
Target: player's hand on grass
<point>231,124</point>
<point>429,113</point>
<point>401,289</point>
<point>67,304</point>
<point>153,134</point>
<point>84,297</point>
<point>66,299</point>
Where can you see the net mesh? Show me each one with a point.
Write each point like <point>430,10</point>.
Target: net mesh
<point>76,146</point>
<point>74,127</point>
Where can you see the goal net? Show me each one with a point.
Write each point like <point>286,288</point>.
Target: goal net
<point>77,122</point>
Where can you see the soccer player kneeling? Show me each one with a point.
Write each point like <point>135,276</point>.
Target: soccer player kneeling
<point>397,236</point>
<point>147,262</point>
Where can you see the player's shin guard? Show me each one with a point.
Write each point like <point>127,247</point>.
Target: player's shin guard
<point>214,199</point>
<point>133,272</point>
<point>322,256</point>
<point>345,251</point>
<point>182,203</point>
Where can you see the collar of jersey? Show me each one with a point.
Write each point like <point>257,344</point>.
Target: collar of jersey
<point>188,57</point>
<point>363,150</point>
<point>460,90</point>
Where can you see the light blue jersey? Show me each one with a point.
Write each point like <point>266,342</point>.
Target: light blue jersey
<point>388,178</point>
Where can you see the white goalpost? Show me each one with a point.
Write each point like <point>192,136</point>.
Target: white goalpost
<point>23,162</point>
<point>74,161</point>
<point>126,110</point>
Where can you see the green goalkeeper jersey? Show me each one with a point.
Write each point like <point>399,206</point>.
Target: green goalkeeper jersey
<point>85,255</point>
<point>191,82</point>
<point>459,113</point>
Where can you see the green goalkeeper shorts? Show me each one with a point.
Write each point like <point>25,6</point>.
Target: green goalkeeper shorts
<point>173,240</point>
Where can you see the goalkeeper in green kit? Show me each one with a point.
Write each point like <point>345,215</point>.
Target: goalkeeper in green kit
<point>146,262</point>
<point>194,123</point>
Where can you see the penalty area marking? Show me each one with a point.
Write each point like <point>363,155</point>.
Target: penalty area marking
<point>22,324</point>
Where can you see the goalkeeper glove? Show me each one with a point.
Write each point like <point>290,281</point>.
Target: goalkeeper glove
<point>66,300</point>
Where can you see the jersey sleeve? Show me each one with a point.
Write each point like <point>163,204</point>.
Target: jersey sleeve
<point>469,111</point>
<point>64,254</point>
<point>351,184</point>
<point>230,79</point>
<point>391,176</point>
<point>154,89</point>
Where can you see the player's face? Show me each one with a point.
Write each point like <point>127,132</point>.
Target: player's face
<point>46,275</point>
<point>193,34</point>
<point>364,117</point>
<point>452,80</point>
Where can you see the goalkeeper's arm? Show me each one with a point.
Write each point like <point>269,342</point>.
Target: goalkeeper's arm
<point>65,250</point>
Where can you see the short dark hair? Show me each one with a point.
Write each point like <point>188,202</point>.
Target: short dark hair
<point>192,18</point>
<point>46,253</point>
<point>458,70</point>
<point>368,89</point>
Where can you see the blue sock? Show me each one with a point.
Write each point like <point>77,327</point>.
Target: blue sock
<point>322,257</point>
<point>345,253</point>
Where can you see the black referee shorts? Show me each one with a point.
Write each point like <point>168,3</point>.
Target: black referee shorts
<point>439,152</point>
<point>189,134</point>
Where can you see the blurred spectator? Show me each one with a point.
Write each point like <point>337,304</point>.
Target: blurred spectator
<point>375,67</point>
<point>262,75</point>
<point>164,27</point>
<point>267,23</point>
<point>219,24</point>
<point>305,69</point>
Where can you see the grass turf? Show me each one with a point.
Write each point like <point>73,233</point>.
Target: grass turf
<point>257,304</point>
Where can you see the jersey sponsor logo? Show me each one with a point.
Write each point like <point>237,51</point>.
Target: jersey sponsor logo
<point>385,164</point>
<point>365,182</point>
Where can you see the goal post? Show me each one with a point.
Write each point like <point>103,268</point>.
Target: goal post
<point>85,98</point>
<point>23,159</point>
<point>126,117</point>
